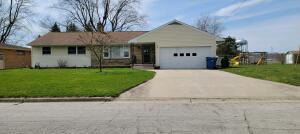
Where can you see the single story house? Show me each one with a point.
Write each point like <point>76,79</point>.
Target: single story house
<point>12,56</point>
<point>170,46</point>
<point>291,57</point>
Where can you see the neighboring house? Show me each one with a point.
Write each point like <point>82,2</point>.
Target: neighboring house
<point>12,56</point>
<point>291,57</point>
<point>173,45</point>
<point>275,58</point>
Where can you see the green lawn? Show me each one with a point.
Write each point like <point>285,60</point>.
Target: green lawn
<point>289,74</point>
<point>70,82</point>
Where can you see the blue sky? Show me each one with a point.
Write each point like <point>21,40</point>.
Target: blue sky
<point>268,25</point>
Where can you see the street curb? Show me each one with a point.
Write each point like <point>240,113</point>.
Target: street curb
<point>62,99</point>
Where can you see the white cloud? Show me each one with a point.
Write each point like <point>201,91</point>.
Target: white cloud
<point>260,13</point>
<point>250,15</point>
<point>282,34</point>
<point>231,9</point>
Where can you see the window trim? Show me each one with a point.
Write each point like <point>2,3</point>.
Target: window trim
<point>69,50</point>
<point>77,49</point>
<point>108,52</point>
<point>121,52</point>
<point>1,56</point>
<point>43,51</point>
<point>124,54</point>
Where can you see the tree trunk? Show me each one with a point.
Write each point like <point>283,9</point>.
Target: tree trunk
<point>100,66</point>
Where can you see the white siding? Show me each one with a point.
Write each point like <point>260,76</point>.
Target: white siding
<point>178,36</point>
<point>59,52</point>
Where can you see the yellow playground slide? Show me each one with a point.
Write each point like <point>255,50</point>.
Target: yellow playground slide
<point>235,61</point>
<point>260,61</point>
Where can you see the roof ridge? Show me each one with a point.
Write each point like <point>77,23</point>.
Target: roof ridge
<point>64,38</point>
<point>10,46</point>
<point>97,32</point>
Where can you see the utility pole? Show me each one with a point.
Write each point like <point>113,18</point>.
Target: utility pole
<point>271,49</point>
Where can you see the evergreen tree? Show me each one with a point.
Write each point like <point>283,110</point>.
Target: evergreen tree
<point>55,28</point>
<point>227,48</point>
<point>71,28</point>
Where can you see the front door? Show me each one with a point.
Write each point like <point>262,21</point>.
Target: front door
<point>146,54</point>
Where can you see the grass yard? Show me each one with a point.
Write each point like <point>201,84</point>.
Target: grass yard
<point>289,74</point>
<point>70,82</point>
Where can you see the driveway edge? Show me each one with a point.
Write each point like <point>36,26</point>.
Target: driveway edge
<point>58,99</point>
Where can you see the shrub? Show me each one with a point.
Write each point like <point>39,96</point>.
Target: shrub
<point>37,65</point>
<point>225,62</point>
<point>62,63</point>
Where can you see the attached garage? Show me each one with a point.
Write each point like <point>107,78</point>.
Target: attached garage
<point>184,57</point>
<point>179,45</point>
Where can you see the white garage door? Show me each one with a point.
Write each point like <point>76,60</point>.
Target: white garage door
<point>184,57</point>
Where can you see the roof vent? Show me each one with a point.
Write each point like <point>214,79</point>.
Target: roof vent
<point>175,23</point>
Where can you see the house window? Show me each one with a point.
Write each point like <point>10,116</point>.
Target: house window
<point>194,54</point>
<point>71,50</point>
<point>175,54</point>
<point>126,52</point>
<point>106,53</point>
<point>118,52</point>
<point>81,50</point>
<point>181,54</point>
<point>188,54</point>
<point>1,56</point>
<point>20,52</point>
<point>46,50</point>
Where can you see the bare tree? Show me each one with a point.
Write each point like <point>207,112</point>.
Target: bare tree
<point>46,22</point>
<point>97,43</point>
<point>12,13</point>
<point>210,24</point>
<point>103,15</point>
<point>123,16</point>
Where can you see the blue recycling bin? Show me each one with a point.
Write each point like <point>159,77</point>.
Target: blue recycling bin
<point>211,62</point>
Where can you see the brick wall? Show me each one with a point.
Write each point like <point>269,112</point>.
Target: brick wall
<point>112,62</point>
<point>137,52</point>
<point>16,59</point>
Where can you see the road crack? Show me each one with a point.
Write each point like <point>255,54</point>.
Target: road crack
<point>248,123</point>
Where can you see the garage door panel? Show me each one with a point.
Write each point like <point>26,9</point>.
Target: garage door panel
<point>184,57</point>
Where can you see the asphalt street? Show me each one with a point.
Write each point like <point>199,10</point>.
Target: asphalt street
<point>181,116</point>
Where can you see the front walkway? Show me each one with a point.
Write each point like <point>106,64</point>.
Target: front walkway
<point>210,84</point>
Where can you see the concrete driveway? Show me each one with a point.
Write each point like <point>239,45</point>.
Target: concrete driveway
<point>210,84</point>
